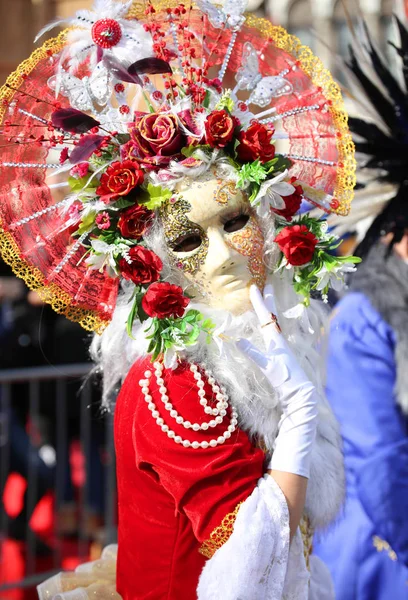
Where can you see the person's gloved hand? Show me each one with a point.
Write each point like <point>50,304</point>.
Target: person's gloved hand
<point>297,395</point>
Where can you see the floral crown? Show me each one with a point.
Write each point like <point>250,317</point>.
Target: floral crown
<point>278,131</point>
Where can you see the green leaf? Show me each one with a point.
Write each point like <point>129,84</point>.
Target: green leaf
<point>122,138</point>
<point>208,324</point>
<point>131,317</point>
<point>82,184</point>
<point>142,316</point>
<point>206,101</point>
<point>225,102</point>
<point>123,203</point>
<point>87,222</point>
<point>189,151</point>
<point>151,346</point>
<point>158,195</point>
<point>254,192</point>
<point>192,315</point>
<point>251,172</point>
<point>279,163</point>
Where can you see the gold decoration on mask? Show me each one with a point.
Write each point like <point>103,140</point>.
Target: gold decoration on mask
<point>249,241</point>
<point>225,191</point>
<point>176,224</point>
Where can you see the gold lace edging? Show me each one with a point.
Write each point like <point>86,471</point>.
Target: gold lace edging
<point>321,78</point>
<point>16,78</point>
<point>220,535</point>
<point>50,293</point>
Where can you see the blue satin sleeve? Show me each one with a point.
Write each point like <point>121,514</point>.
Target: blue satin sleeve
<point>361,375</point>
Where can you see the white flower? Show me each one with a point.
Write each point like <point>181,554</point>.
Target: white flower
<point>219,335</point>
<point>103,256</point>
<point>300,313</point>
<point>335,277</point>
<point>170,358</point>
<point>271,194</point>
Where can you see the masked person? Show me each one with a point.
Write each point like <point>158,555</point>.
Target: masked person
<point>366,550</point>
<point>189,136</point>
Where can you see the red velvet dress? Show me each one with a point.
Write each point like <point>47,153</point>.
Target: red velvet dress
<point>172,498</point>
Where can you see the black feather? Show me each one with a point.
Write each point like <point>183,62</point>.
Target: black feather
<point>393,219</point>
<point>383,106</point>
<point>395,92</point>
<point>403,50</point>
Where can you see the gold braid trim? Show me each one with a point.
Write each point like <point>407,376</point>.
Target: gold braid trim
<point>382,546</point>
<point>220,535</point>
<point>307,537</point>
<point>50,293</point>
<point>320,76</point>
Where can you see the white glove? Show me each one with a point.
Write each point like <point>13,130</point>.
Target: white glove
<point>297,395</point>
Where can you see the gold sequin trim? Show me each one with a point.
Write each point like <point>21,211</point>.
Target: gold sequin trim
<point>220,535</point>
<point>320,76</point>
<point>50,293</point>
<point>225,191</point>
<point>175,224</point>
<point>307,537</point>
<point>382,546</point>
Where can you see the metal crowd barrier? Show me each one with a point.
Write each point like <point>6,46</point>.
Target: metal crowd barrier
<point>58,377</point>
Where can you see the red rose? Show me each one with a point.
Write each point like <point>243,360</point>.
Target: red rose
<point>219,128</point>
<point>297,244</point>
<point>142,266</point>
<point>292,202</point>
<point>119,180</point>
<point>164,300</point>
<point>256,142</point>
<point>135,221</point>
<point>155,139</point>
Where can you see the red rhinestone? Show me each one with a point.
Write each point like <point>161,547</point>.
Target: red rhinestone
<point>242,106</point>
<point>158,96</point>
<point>119,88</point>
<point>334,204</point>
<point>124,109</point>
<point>106,33</point>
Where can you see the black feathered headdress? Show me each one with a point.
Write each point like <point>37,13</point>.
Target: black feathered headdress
<point>383,143</point>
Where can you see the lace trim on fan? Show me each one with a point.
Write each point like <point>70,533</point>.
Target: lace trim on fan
<point>16,79</point>
<point>320,76</point>
<point>220,535</point>
<point>50,293</point>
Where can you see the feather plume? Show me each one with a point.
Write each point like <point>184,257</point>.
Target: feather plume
<point>381,143</point>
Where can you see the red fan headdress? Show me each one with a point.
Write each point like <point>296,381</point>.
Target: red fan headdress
<point>99,125</point>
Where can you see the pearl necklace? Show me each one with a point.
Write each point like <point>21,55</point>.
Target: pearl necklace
<point>220,412</point>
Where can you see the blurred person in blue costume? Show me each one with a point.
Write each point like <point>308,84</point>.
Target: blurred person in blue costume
<point>367,377</point>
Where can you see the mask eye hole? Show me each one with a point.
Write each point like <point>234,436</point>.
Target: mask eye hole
<point>236,223</point>
<point>188,243</point>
